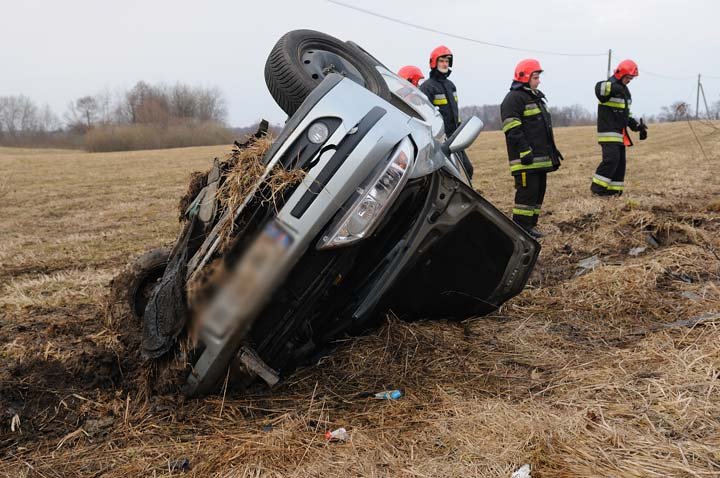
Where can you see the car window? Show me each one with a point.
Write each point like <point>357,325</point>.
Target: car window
<point>408,93</point>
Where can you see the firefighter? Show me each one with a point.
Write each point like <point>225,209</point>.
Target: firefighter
<point>411,73</point>
<point>442,93</point>
<point>613,119</point>
<point>440,90</point>
<point>530,143</point>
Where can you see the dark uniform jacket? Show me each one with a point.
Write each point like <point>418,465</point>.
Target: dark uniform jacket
<point>442,93</point>
<point>528,131</point>
<point>614,114</point>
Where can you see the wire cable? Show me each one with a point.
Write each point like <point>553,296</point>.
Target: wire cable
<point>663,76</point>
<point>460,37</point>
<point>697,140</point>
<point>666,77</point>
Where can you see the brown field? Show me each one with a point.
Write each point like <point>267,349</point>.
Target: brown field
<point>581,375</point>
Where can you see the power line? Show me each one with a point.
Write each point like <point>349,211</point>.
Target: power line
<point>696,136</point>
<point>666,77</point>
<point>460,37</point>
<point>498,45</point>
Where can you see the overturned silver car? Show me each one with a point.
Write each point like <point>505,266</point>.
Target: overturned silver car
<point>384,217</point>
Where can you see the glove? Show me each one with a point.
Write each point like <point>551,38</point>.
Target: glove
<point>527,159</point>
<point>643,130</point>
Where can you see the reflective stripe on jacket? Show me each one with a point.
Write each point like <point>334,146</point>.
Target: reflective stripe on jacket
<point>614,115</point>
<point>442,93</point>
<point>528,131</point>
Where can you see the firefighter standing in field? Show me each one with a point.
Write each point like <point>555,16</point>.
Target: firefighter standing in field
<point>442,93</point>
<point>530,143</point>
<point>613,119</point>
<point>411,73</point>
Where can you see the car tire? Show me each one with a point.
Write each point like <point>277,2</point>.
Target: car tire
<point>301,59</point>
<point>132,288</point>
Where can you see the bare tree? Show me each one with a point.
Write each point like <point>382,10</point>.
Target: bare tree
<point>183,101</point>
<point>715,110</point>
<point>133,99</point>
<point>158,104</point>
<point>18,115</point>
<point>574,115</point>
<point>82,114</point>
<point>104,101</point>
<point>9,115</point>
<point>677,111</point>
<point>48,121</point>
<point>211,105</point>
<point>489,114</point>
<point>145,103</point>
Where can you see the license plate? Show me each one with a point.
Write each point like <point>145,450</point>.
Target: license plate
<point>251,280</point>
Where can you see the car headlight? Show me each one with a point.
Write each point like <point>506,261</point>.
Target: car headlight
<point>373,200</point>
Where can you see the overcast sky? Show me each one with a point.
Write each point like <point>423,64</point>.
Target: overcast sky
<point>55,51</point>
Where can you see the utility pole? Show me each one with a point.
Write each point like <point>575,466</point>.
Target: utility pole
<point>707,110</point>
<point>609,62</point>
<point>697,100</point>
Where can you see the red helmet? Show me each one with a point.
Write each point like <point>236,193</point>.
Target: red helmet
<point>525,69</point>
<point>442,50</point>
<point>626,67</point>
<point>411,73</point>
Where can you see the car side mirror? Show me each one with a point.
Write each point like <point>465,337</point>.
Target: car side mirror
<point>464,136</point>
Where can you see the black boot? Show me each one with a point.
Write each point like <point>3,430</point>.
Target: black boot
<point>535,233</point>
<point>530,230</point>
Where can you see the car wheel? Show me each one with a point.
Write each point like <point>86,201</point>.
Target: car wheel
<point>301,59</point>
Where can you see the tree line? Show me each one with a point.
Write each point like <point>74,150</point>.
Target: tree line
<point>159,116</point>
<point>159,112</point>
<point>148,104</point>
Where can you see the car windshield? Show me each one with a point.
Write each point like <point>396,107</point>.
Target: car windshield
<point>408,93</point>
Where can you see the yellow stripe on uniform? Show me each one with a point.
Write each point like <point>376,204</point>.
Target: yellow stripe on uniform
<point>614,104</point>
<point>531,112</point>
<point>600,182</point>
<point>440,102</point>
<point>607,87</point>
<point>511,123</point>
<point>609,137</point>
<point>607,183</point>
<point>537,165</point>
<point>523,212</point>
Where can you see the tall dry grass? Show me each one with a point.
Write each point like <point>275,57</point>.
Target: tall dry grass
<point>48,140</point>
<point>150,136</point>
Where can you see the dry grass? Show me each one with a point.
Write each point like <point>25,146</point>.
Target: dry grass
<point>245,168</point>
<point>151,136</point>
<point>577,376</point>
<point>240,172</point>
